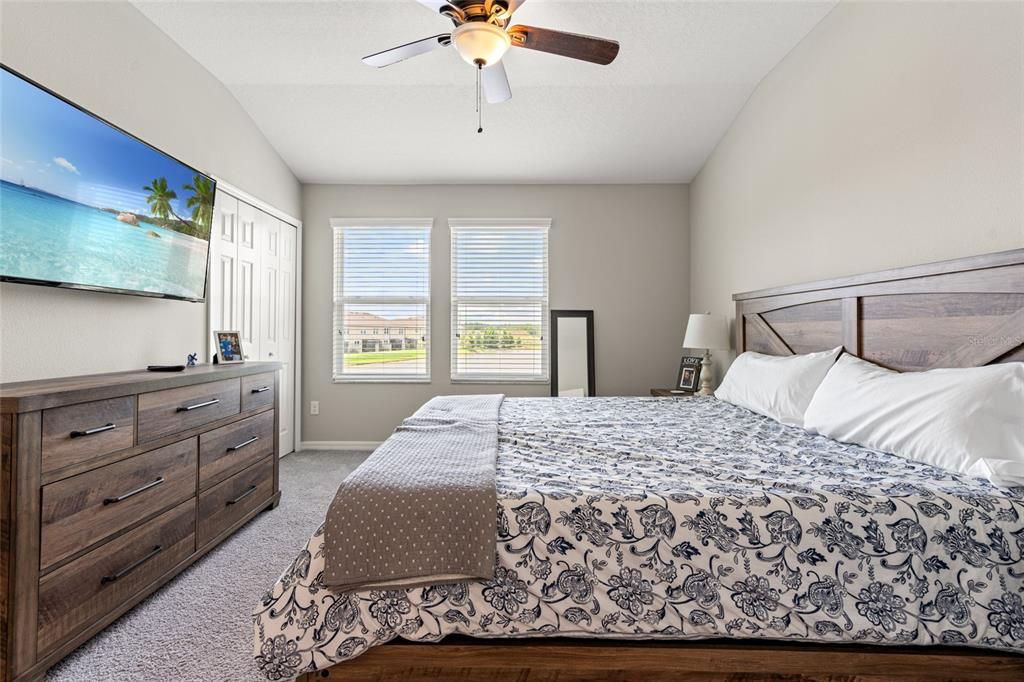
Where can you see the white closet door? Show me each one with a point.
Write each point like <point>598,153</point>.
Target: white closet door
<point>286,345</point>
<point>223,267</point>
<point>268,238</point>
<point>247,320</point>
<point>252,290</point>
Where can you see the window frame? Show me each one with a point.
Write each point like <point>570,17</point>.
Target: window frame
<point>454,226</point>
<point>339,300</point>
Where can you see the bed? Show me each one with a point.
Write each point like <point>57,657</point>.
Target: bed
<point>694,537</point>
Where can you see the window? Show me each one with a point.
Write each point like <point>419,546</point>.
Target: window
<point>381,283</point>
<point>499,300</point>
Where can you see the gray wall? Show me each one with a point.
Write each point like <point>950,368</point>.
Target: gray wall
<point>892,135</point>
<point>619,250</point>
<point>110,59</point>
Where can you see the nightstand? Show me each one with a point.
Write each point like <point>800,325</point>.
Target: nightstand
<point>670,393</point>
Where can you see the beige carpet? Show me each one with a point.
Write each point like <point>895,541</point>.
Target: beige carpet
<point>198,627</point>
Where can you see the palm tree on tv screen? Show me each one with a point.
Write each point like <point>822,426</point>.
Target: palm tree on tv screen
<point>159,198</point>
<point>201,201</point>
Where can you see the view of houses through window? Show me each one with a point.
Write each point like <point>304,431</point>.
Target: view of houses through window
<point>374,341</point>
<point>382,300</point>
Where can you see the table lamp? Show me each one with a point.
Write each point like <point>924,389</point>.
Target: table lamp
<point>706,331</point>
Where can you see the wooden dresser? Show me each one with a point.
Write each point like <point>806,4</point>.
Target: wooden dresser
<point>112,484</point>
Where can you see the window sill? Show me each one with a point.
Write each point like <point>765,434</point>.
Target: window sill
<point>469,380</point>
<point>380,380</point>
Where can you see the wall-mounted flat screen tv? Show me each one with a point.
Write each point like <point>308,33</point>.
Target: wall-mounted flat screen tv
<point>85,205</point>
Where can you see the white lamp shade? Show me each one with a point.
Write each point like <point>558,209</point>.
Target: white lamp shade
<point>707,331</point>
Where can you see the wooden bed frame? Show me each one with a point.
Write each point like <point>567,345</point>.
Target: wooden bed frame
<point>967,312</point>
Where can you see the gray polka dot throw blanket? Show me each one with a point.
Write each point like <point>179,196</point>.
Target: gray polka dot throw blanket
<point>420,510</point>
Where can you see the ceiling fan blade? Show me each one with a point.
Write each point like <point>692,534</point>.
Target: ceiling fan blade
<point>403,52</point>
<point>495,82</point>
<point>588,48</point>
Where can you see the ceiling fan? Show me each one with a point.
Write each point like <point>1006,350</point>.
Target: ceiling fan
<point>482,35</point>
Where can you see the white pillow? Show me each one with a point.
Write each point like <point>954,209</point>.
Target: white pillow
<point>779,387</point>
<point>967,420</point>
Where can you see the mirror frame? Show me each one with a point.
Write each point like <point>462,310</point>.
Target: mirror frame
<point>591,366</point>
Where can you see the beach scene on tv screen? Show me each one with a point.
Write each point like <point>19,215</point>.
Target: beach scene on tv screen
<point>82,203</point>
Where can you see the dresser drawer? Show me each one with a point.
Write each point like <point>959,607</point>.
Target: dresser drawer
<point>224,504</point>
<point>84,509</point>
<point>78,433</point>
<point>93,585</point>
<point>232,448</point>
<point>257,391</point>
<point>162,413</point>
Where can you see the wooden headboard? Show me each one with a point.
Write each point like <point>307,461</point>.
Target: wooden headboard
<point>966,312</point>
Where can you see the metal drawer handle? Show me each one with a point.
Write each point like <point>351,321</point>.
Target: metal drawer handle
<point>131,567</point>
<point>132,493</point>
<point>249,491</point>
<point>243,444</point>
<point>92,432</point>
<point>189,408</point>
<point>261,389</point>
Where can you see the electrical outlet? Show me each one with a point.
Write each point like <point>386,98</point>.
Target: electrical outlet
<point>314,407</point>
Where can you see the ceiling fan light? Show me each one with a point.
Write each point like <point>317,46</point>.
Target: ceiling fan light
<point>481,43</point>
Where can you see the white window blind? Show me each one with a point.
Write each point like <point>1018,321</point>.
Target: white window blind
<point>499,300</point>
<point>382,299</point>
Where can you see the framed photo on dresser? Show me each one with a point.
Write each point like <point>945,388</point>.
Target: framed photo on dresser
<point>229,347</point>
<point>689,373</point>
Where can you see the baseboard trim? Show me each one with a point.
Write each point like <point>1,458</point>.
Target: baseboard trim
<point>338,445</point>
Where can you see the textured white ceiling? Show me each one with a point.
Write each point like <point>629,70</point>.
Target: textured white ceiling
<point>683,73</point>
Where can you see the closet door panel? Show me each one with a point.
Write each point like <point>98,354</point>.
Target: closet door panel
<point>223,266</point>
<point>268,236</point>
<point>286,347</point>
<point>248,297</point>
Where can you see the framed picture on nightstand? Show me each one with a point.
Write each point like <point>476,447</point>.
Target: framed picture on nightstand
<point>689,373</point>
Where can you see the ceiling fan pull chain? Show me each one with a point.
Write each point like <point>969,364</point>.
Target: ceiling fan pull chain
<point>479,107</point>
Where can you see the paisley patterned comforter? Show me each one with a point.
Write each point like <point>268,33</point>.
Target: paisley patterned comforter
<point>682,519</point>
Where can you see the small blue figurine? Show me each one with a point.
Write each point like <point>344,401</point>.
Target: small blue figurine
<point>192,359</point>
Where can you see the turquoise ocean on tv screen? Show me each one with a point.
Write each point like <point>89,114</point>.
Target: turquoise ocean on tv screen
<point>49,238</point>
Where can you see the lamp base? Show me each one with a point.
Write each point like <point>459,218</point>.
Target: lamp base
<point>705,375</point>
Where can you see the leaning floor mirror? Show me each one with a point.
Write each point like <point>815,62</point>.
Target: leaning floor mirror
<point>572,353</point>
